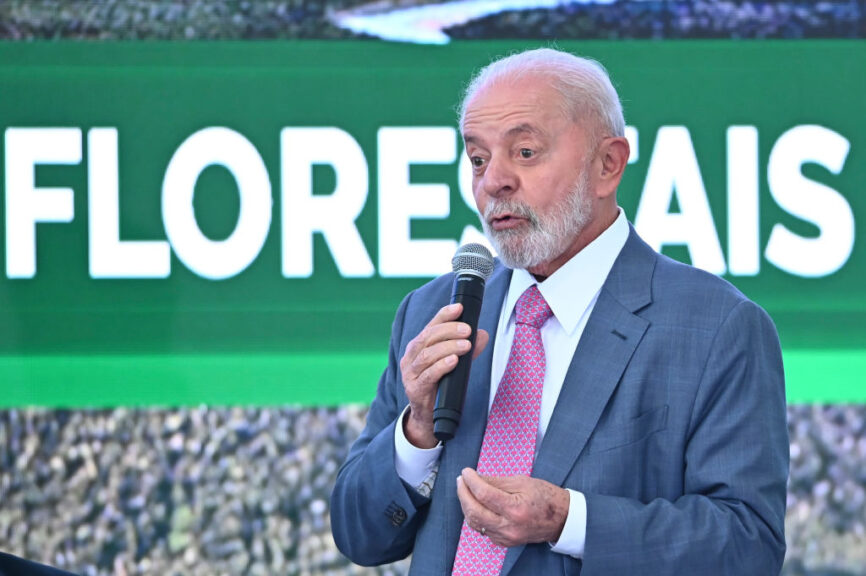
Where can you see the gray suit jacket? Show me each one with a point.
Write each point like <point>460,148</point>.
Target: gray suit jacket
<point>671,421</point>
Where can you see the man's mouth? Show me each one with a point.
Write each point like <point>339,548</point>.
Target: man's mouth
<point>506,221</point>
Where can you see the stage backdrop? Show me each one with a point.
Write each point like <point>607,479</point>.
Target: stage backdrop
<point>235,223</point>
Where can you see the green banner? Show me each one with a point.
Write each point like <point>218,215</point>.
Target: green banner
<point>235,223</point>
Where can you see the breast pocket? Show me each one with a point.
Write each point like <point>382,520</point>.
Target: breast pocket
<point>618,434</point>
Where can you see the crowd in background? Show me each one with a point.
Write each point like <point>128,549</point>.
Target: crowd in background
<point>170,19</point>
<point>192,491</point>
<point>245,491</point>
<point>660,19</point>
<point>307,19</point>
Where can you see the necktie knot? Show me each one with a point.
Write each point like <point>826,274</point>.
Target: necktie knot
<point>532,308</point>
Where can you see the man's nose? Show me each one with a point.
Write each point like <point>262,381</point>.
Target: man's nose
<point>499,178</point>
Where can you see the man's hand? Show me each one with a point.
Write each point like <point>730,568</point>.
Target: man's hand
<point>429,356</point>
<point>513,510</point>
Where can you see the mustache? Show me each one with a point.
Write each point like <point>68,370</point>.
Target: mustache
<point>496,208</point>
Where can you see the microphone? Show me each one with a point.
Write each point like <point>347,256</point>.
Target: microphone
<point>472,265</point>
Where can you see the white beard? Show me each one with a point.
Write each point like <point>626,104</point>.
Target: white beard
<point>550,233</point>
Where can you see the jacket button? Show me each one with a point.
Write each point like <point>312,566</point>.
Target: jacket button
<point>396,514</point>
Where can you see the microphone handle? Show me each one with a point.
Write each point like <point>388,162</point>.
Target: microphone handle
<point>468,290</point>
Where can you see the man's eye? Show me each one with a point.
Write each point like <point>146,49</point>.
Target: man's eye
<point>526,153</point>
<point>477,161</point>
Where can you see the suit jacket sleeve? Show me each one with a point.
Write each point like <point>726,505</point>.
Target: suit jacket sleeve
<point>374,515</point>
<point>730,519</point>
<point>14,566</point>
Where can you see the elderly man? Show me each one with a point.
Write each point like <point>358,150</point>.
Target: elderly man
<point>649,435</point>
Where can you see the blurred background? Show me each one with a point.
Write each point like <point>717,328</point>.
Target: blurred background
<point>211,210</point>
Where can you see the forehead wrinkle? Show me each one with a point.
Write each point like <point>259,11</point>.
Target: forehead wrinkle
<point>524,128</point>
<point>520,129</point>
<point>497,111</point>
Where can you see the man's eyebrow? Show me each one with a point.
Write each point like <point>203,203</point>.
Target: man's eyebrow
<point>519,129</point>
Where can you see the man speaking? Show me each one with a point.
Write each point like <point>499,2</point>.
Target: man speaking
<point>625,414</point>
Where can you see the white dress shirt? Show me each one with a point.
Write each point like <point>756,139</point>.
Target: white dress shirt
<point>571,292</point>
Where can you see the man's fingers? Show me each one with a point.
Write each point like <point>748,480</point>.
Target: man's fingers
<point>435,334</point>
<point>446,313</point>
<point>438,355</point>
<point>481,340</point>
<point>435,352</point>
<point>476,515</point>
<point>430,375</point>
<point>509,484</point>
<point>434,362</point>
<point>463,493</point>
<point>484,492</point>
<point>442,337</point>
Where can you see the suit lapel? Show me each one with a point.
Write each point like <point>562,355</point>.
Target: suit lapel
<point>607,345</point>
<point>612,334</point>
<point>608,342</point>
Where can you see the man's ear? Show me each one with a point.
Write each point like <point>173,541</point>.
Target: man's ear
<point>613,153</point>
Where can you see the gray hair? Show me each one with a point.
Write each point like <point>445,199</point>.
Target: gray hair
<point>584,84</point>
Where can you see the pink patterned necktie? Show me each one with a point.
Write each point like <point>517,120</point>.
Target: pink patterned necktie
<point>509,441</point>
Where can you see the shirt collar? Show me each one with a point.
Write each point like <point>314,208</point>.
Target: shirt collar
<point>570,290</point>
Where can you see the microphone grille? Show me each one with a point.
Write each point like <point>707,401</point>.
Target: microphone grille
<point>473,259</point>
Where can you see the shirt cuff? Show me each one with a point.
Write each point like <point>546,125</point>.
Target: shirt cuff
<point>414,465</point>
<point>573,537</point>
